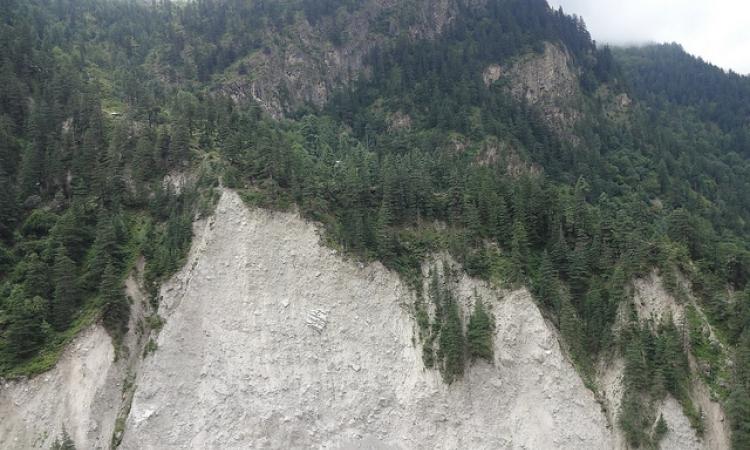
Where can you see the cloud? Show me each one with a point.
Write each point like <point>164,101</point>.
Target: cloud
<point>716,30</point>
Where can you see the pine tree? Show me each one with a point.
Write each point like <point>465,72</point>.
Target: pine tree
<point>113,168</point>
<point>105,250</point>
<point>36,279</point>
<point>452,342</point>
<point>65,444</point>
<point>519,248</point>
<point>661,428</point>
<point>472,221</point>
<point>143,160</point>
<point>579,271</point>
<point>502,223</point>
<point>384,234</point>
<point>7,206</point>
<point>479,333</point>
<point>179,146</point>
<point>66,293</point>
<point>548,284</point>
<point>84,164</point>
<point>25,334</point>
<point>72,232</point>
<point>571,328</point>
<point>116,308</point>
<point>636,371</point>
<point>31,171</point>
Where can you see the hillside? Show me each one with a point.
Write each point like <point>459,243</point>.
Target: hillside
<point>494,133</point>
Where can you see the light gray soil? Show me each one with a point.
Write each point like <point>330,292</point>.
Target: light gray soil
<point>273,340</point>
<point>72,395</point>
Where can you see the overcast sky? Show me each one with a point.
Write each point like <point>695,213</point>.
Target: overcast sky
<point>716,30</point>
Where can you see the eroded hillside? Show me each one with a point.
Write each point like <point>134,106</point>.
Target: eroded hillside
<point>273,339</point>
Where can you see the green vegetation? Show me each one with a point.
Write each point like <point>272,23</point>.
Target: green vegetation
<point>446,328</point>
<point>64,442</point>
<point>479,332</point>
<point>655,365</point>
<point>661,429</point>
<point>661,184</point>
<point>80,191</point>
<point>445,344</point>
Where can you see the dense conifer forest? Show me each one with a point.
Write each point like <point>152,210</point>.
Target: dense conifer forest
<point>103,99</point>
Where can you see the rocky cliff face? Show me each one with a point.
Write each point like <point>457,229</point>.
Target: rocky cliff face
<point>548,81</point>
<point>306,66</point>
<point>74,394</point>
<point>273,339</point>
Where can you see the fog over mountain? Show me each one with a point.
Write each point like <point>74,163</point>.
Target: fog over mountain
<point>716,31</point>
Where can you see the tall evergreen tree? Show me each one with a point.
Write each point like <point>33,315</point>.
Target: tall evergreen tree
<point>25,333</point>
<point>479,333</point>
<point>66,294</point>
<point>116,307</point>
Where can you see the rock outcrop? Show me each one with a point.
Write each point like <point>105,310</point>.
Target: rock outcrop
<point>308,65</point>
<point>76,394</point>
<point>548,81</point>
<point>274,340</point>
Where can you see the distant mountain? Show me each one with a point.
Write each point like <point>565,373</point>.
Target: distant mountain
<point>666,73</point>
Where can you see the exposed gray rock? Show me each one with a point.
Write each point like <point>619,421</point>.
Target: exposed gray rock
<point>546,80</point>
<point>290,346</point>
<point>306,66</point>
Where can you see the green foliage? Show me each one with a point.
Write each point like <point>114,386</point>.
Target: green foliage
<point>452,342</point>
<point>116,308</point>
<point>446,329</point>
<point>445,345</point>
<point>66,296</point>
<point>661,429</point>
<point>656,365</point>
<point>64,442</point>
<point>479,333</point>
<point>150,347</point>
<point>634,420</point>
<point>26,332</point>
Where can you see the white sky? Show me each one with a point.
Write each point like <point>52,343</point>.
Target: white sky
<point>716,30</point>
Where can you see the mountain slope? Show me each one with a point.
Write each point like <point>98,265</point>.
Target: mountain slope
<point>495,132</point>
<point>246,363</point>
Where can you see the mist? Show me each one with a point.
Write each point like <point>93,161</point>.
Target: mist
<point>717,30</point>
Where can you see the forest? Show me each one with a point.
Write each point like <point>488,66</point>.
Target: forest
<point>102,99</point>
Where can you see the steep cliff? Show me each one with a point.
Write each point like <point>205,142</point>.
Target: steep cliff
<point>548,81</point>
<point>306,62</point>
<point>273,339</point>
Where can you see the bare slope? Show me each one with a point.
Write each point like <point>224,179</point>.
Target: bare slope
<point>273,340</point>
<point>33,412</point>
<point>82,393</point>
